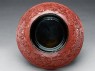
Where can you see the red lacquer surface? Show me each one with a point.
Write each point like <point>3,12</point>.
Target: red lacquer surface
<point>48,60</point>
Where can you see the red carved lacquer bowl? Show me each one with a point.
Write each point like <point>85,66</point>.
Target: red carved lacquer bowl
<point>52,57</point>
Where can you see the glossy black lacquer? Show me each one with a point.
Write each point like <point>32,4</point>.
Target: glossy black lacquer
<point>49,32</point>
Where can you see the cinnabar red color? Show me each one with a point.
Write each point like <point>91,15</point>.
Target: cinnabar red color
<point>50,60</point>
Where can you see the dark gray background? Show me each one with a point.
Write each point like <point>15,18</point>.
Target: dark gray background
<point>10,13</point>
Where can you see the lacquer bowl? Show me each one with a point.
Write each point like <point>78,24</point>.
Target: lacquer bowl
<point>50,35</point>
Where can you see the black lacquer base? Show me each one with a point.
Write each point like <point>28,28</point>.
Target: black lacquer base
<point>49,32</point>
